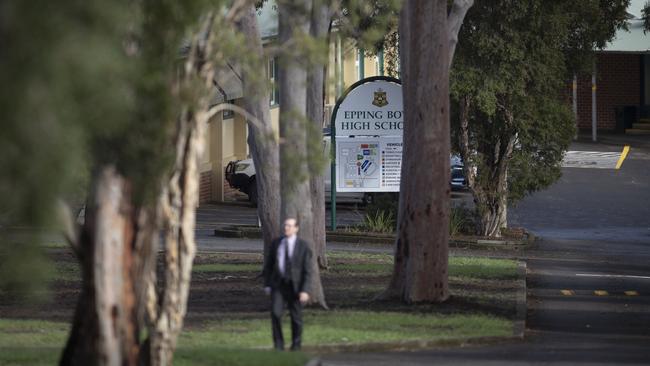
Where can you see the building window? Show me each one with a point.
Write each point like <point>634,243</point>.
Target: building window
<point>273,78</point>
<point>228,113</point>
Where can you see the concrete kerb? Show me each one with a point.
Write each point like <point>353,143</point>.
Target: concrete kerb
<point>253,232</point>
<point>413,345</point>
<point>522,304</point>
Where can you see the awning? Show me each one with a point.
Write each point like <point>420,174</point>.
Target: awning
<point>228,84</point>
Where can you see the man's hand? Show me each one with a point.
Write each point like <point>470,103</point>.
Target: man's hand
<point>267,290</point>
<point>303,297</point>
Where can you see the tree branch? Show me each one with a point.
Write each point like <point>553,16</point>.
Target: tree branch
<point>455,20</point>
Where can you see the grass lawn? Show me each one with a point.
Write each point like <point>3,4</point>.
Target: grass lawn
<point>33,342</point>
<point>228,321</point>
<point>459,267</point>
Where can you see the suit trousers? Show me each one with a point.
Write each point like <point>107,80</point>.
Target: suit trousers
<point>280,295</point>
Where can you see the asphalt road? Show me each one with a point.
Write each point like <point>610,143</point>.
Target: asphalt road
<point>588,280</point>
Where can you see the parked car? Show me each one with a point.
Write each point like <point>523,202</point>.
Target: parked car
<point>241,175</point>
<point>458,179</point>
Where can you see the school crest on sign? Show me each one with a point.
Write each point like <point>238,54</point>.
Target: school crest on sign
<point>380,99</point>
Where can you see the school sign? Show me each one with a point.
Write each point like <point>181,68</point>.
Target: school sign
<point>368,123</point>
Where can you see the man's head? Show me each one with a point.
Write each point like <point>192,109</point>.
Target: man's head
<point>290,226</point>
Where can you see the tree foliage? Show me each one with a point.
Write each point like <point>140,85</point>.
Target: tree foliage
<point>513,60</point>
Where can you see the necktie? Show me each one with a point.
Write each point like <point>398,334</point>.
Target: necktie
<point>287,261</point>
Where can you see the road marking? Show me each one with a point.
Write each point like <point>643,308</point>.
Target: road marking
<point>626,149</point>
<point>567,292</point>
<point>601,293</point>
<point>612,276</point>
<point>631,293</point>
<point>591,159</point>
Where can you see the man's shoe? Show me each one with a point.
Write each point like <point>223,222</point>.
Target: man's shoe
<point>295,347</point>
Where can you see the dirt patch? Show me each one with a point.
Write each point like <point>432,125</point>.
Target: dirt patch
<point>215,295</point>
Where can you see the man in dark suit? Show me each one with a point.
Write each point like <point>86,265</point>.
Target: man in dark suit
<point>287,277</point>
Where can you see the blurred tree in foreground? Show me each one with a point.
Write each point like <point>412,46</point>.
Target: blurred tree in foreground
<point>96,92</point>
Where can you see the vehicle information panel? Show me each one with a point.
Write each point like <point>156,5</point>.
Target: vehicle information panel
<point>368,164</point>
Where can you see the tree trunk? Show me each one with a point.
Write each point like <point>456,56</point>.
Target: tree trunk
<point>166,306</point>
<point>492,206</point>
<point>320,24</point>
<point>105,327</point>
<point>261,139</point>
<point>294,177</point>
<point>421,249</point>
<point>491,198</point>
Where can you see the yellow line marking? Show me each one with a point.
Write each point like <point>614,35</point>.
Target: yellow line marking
<point>626,149</point>
<point>601,293</point>
<point>567,292</point>
<point>631,293</point>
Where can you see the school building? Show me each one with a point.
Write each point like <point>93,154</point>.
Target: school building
<point>227,131</point>
<point>616,97</point>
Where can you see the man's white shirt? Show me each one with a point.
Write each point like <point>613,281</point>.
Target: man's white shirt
<point>291,242</point>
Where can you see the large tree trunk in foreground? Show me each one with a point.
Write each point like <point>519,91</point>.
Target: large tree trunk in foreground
<point>295,189</point>
<point>421,248</point>
<point>110,249</point>
<point>261,139</point>
<point>320,24</point>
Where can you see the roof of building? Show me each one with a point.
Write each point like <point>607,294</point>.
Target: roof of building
<point>635,39</point>
<point>267,17</point>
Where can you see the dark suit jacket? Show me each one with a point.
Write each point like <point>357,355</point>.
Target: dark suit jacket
<point>301,271</point>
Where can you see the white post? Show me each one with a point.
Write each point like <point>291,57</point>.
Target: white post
<point>575,103</point>
<point>594,125</point>
<point>339,66</point>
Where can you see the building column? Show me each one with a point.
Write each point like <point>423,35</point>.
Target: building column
<point>241,134</point>
<point>216,157</point>
<point>380,57</point>
<point>362,63</point>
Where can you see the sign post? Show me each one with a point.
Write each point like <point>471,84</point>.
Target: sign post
<point>366,139</point>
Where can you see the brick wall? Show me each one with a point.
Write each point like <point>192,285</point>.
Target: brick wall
<point>205,187</point>
<point>618,81</point>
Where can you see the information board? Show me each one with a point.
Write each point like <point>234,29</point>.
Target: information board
<point>368,127</point>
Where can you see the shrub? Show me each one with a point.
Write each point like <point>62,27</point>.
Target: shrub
<point>380,222</point>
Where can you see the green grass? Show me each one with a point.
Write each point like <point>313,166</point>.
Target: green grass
<point>461,267</point>
<point>351,327</point>
<point>34,342</point>
<point>24,341</point>
<point>483,268</point>
<point>212,356</point>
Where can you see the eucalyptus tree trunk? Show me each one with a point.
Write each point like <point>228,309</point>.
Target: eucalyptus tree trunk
<point>488,182</point>
<point>110,247</point>
<point>294,177</point>
<point>421,248</point>
<point>321,16</point>
<point>261,138</point>
<point>166,303</point>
